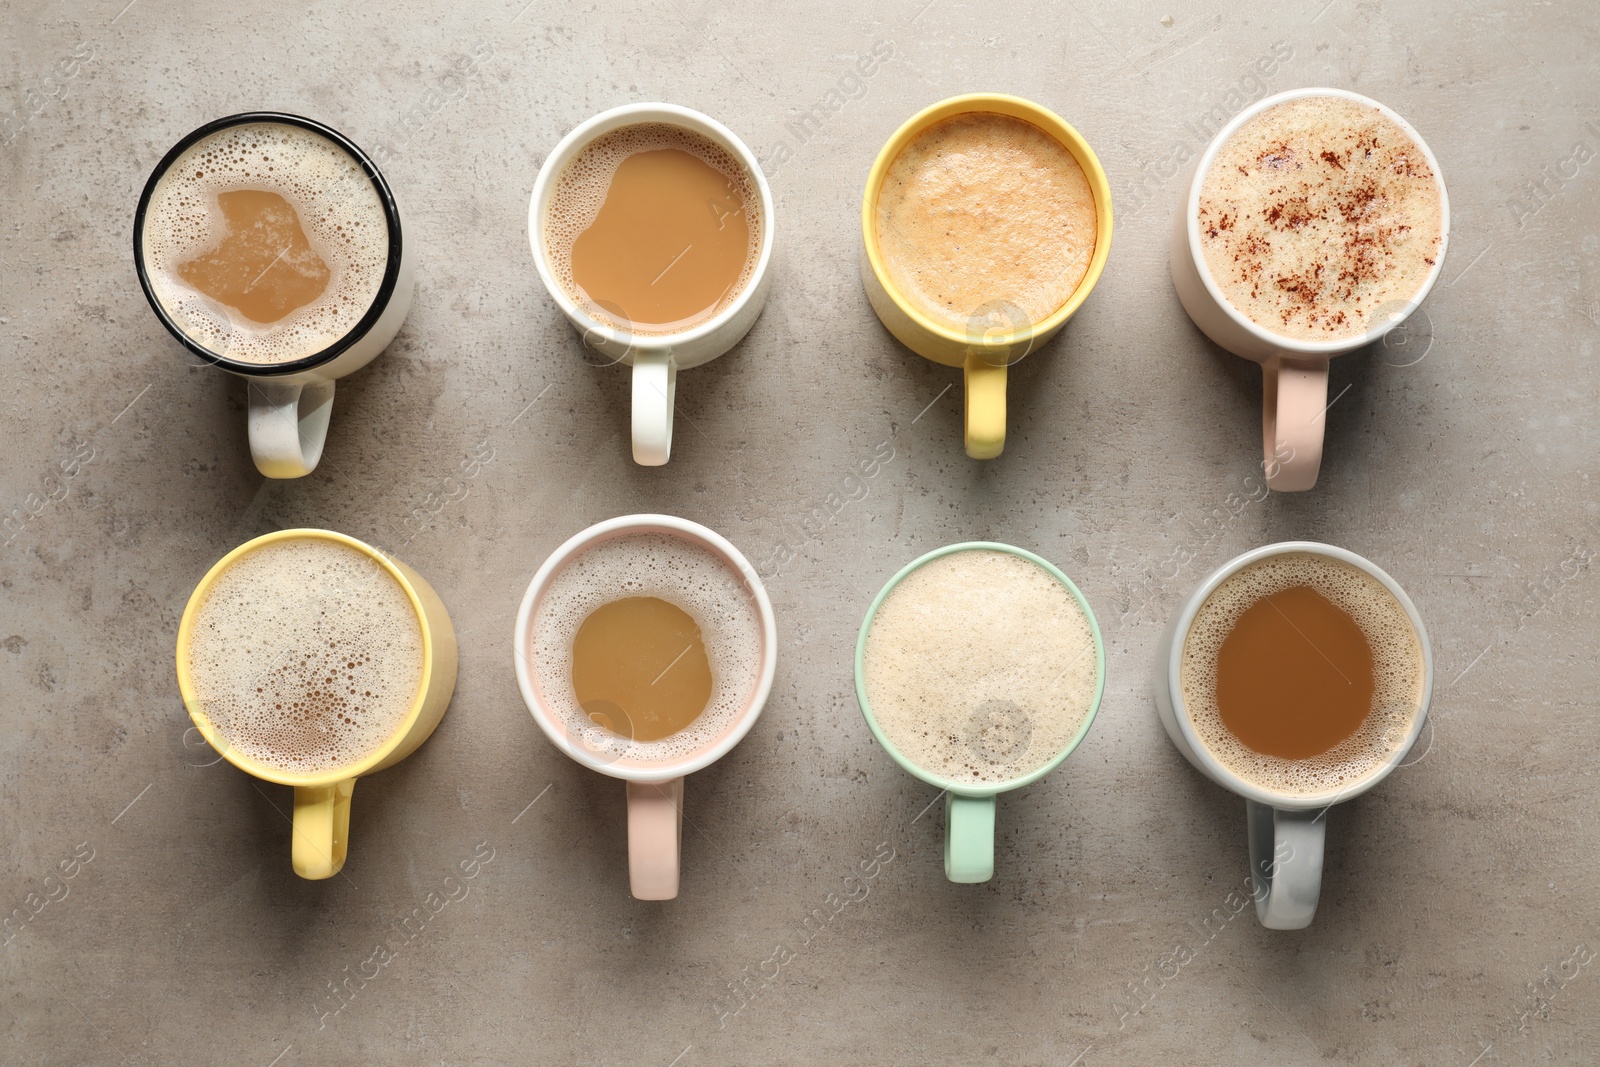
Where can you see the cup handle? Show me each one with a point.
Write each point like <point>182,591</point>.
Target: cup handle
<point>655,389</point>
<point>986,406</point>
<point>968,838</point>
<point>321,828</point>
<point>1285,863</point>
<point>288,426</point>
<point>655,835</point>
<point>1294,400</point>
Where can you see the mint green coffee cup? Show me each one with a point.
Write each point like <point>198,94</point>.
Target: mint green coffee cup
<point>970,806</point>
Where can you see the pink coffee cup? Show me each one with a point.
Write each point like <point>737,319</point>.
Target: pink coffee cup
<point>1294,372</point>
<point>655,785</point>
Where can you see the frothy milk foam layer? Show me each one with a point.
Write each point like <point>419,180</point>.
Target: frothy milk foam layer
<point>580,193</point>
<point>1319,217</point>
<point>980,666</point>
<point>306,655</point>
<point>1397,672</point>
<point>673,569</point>
<point>339,212</point>
<point>981,211</point>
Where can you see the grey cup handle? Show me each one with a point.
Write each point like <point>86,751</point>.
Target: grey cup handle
<point>1285,863</point>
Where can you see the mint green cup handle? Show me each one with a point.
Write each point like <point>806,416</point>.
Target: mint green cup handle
<point>968,838</point>
<point>969,806</point>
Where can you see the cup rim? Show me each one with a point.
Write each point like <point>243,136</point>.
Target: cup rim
<point>977,789</point>
<point>1191,207</point>
<point>391,270</point>
<point>213,735</point>
<point>1216,768</point>
<point>575,546</point>
<point>1012,107</point>
<point>575,141</point>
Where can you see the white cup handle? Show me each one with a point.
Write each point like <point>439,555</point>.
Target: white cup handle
<point>288,426</point>
<point>1285,863</point>
<point>655,387</point>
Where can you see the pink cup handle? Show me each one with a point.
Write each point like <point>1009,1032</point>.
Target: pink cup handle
<point>1294,399</point>
<point>655,832</point>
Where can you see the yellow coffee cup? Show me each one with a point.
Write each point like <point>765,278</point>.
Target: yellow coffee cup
<point>983,352</point>
<point>322,799</point>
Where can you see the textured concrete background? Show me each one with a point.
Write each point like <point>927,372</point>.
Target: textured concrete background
<point>1461,898</point>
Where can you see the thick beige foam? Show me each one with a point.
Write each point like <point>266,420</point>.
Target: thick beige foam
<point>680,572</point>
<point>1319,218</point>
<point>339,210</point>
<point>1397,671</point>
<point>985,222</point>
<point>306,655</point>
<point>580,193</point>
<point>980,666</point>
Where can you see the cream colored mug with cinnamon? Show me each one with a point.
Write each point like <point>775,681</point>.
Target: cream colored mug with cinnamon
<point>1314,224</point>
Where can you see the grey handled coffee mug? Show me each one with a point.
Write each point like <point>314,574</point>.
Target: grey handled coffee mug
<point>1286,827</point>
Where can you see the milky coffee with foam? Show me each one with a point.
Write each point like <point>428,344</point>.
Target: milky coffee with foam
<point>306,655</point>
<point>1318,217</point>
<point>685,575</point>
<point>980,666</point>
<point>653,228</point>
<point>1302,674</point>
<point>983,212</point>
<point>265,242</point>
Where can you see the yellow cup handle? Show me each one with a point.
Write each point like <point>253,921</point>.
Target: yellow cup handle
<point>321,828</point>
<point>986,407</point>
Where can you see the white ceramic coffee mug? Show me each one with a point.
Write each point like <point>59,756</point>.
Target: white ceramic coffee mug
<point>1294,372</point>
<point>656,359</point>
<point>1285,830</point>
<point>290,402</point>
<point>655,787</point>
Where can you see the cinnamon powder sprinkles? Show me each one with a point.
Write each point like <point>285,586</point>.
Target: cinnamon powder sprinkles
<point>1317,213</point>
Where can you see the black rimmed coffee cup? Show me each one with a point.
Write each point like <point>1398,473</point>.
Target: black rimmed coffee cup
<point>290,400</point>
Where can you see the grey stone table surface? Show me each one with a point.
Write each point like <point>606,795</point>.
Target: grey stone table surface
<point>1461,900</point>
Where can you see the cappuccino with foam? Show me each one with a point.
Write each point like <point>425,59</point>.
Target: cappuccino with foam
<point>1302,674</point>
<point>984,219</point>
<point>1319,217</point>
<point>306,655</point>
<point>265,242</point>
<point>980,666</point>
